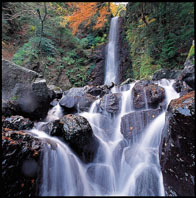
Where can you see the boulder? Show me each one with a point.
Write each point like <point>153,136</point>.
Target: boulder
<point>76,99</point>
<point>111,103</point>
<point>155,95</point>
<point>133,124</point>
<point>17,123</point>
<point>30,95</point>
<point>57,90</point>
<point>177,148</point>
<point>147,94</point>
<point>98,91</point>
<point>186,79</point>
<point>10,108</point>
<point>12,75</point>
<point>166,73</point>
<point>77,133</point>
<point>21,164</point>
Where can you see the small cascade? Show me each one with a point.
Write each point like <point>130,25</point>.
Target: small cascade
<point>121,166</point>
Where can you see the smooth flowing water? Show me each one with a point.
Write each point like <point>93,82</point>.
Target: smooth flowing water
<point>121,166</point>
<point>111,68</point>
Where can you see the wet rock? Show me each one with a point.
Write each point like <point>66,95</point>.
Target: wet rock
<point>21,153</point>
<point>177,150</point>
<point>134,123</point>
<point>17,123</point>
<point>155,95</point>
<point>111,103</point>
<point>166,73</point>
<point>98,91</point>
<point>127,81</point>
<point>10,108</point>
<point>77,133</point>
<point>147,94</point>
<point>57,90</point>
<point>85,102</point>
<point>186,79</point>
<point>77,99</point>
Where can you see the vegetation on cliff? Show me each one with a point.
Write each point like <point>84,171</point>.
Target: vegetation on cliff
<point>60,38</point>
<point>159,34</point>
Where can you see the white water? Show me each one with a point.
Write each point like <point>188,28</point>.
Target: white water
<point>111,69</point>
<point>121,167</point>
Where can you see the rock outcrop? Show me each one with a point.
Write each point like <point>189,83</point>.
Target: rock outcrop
<point>21,164</point>
<point>147,94</point>
<point>111,103</point>
<point>177,148</point>
<point>77,133</point>
<point>166,73</point>
<point>185,82</point>
<point>133,124</point>
<point>24,93</point>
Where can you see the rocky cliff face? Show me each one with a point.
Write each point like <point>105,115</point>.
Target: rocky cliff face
<point>125,65</point>
<point>177,152</point>
<point>124,62</point>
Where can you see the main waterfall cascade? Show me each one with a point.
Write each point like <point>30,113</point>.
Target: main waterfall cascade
<point>111,69</point>
<point>121,166</point>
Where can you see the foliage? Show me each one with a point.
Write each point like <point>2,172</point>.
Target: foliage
<point>86,13</point>
<point>30,50</point>
<point>161,31</point>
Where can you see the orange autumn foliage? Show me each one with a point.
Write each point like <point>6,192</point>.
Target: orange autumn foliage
<point>84,12</point>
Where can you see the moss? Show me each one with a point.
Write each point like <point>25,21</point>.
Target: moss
<point>191,51</point>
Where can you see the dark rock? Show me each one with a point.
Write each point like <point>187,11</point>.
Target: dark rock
<point>133,124</point>
<point>166,73</point>
<point>186,79</point>
<point>31,95</point>
<point>177,150</point>
<point>124,63</point>
<point>77,99</point>
<point>155,95</point>
<point>13,74</point>
<point>68,102</point>
<point>77,133</point>
<point>17,123</point>
<point>97,74</point>
<point>21,165</point>
<point>57,90</point>
<point>127,81</point>
<point>111,103</point>
<point>10,108</point>
<point>147,94</point>
<point>96,91</point>
<point>85,102</point>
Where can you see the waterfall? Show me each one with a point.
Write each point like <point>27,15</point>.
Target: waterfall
<point>111,65</point>
<point>123,167</point>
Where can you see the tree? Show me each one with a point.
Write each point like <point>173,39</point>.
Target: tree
<point>87,13</point>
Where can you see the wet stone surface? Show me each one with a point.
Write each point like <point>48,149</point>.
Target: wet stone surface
<point>177,151</point>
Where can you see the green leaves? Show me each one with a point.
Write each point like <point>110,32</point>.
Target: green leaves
<point>165,41</point>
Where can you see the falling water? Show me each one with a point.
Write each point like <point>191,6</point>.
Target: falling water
<point>111,66</point>
<point>121,167</point>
